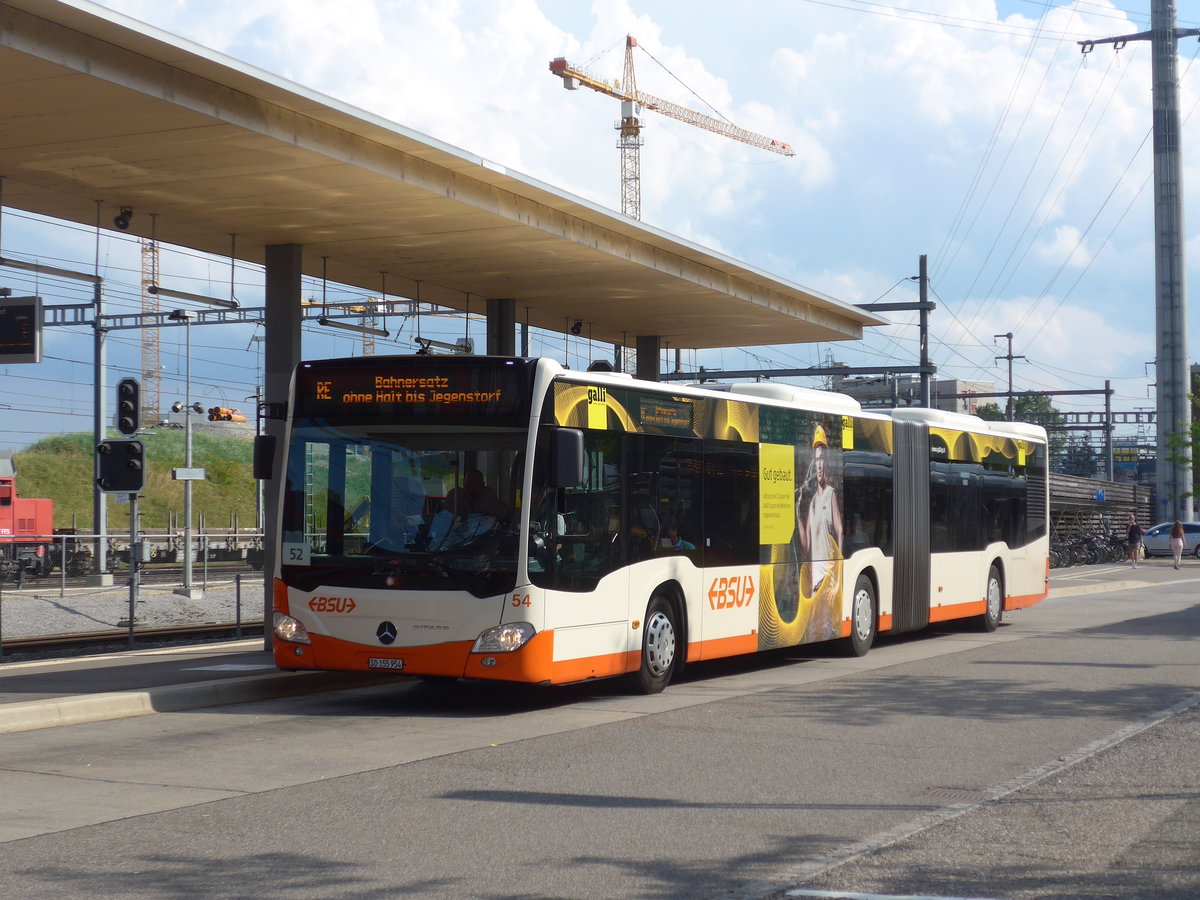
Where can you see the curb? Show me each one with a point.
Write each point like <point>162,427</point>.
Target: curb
<point>79,710</point>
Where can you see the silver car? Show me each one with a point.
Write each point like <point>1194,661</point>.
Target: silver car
<point>1158,539</point>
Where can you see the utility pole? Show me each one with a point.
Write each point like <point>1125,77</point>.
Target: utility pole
<point>1173,482</point>
<point>923,276</point>
<point>925,369</point>
<point>1010,358</point>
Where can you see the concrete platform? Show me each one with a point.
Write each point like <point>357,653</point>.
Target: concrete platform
<point>47,693</point>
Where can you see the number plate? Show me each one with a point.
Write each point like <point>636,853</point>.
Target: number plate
<point>376,663</point>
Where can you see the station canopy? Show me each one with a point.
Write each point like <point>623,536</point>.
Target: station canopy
<point>99,108</point>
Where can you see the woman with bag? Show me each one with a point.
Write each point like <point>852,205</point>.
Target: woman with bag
<point>1177,542</point>
<point>1133,534</point>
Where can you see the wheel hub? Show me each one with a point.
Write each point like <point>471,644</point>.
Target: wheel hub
<point>660,644</point>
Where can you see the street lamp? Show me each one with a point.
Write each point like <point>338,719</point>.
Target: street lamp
<point>258,340</point>
<point>187,474</point>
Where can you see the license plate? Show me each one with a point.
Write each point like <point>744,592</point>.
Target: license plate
<point>377,663</point>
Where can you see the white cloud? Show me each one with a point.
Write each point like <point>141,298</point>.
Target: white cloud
<point>1003,158</point>
<point>1066,246</point>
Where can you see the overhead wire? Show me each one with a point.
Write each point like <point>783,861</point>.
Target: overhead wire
<point>943,260</point>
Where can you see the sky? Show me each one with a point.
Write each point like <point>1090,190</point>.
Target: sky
<point>973,132</point>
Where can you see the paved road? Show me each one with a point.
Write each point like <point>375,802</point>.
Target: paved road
<point>1054,758</point>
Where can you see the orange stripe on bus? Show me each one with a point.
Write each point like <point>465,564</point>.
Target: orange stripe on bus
<point>957,611</point>
<point>718,648</point>
<point>568,670</point>
<point>532,664</point>
<point>1024,600</point>
<point>326,652</point>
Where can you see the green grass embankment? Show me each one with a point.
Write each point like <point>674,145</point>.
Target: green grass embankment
<point>60,468</point>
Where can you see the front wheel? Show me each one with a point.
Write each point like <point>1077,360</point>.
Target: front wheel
<point>994,602</point>
<point>863,617</point>
<point>660,646</point>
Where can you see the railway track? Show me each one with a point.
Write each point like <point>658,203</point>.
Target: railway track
<point>151,574</point>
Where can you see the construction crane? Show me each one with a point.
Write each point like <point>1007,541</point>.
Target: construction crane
<point>151,367</point>
<point>629,128</point>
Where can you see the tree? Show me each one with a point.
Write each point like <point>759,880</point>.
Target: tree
<point>1080,457</point>
<point>990,411</point>
<point>1182,449</point>
<point>1036,408</point>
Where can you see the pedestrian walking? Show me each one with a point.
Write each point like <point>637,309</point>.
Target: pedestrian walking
<point>1177,542</point>
<point>1133,534</point>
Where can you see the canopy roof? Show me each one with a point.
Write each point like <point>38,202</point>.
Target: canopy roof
<point>98,107</point>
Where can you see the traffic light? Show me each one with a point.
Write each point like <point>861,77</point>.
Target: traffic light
<point>129,406</point>
<point>120,466</point>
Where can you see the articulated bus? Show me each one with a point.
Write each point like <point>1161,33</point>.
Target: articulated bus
<point>506,518</point>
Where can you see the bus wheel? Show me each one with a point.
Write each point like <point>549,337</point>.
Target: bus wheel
<point>660,646</point>
<point>863,618</point>
<point>994,611</point>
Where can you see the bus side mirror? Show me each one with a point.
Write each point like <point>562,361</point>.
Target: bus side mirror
<point>568,457</point>
<point>264,456</point>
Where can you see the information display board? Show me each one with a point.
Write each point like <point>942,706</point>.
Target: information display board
<point>416,389</point>
<point>20,330</point>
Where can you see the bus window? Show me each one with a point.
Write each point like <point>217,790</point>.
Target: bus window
<point>663,475</point>
<point>730,504</point>
<point>586,520</point>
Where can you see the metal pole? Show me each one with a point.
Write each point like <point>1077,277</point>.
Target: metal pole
<point>1108,430</point>
<point>187,589</point>
<point>1010,358</point>
<point>133,563</point>
<point>926,399</point>
<point>1173,480</point>
<point>100,574</point>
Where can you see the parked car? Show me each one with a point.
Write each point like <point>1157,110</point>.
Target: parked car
<point>1158,539</point>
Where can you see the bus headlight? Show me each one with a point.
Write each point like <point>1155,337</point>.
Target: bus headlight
<point>504,638</point>
<point>289,629</point>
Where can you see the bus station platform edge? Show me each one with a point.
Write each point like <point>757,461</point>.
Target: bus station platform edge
<point>48,693</point>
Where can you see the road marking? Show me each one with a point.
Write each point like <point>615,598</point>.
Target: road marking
<point>845,895</point>
<point>810,869</point>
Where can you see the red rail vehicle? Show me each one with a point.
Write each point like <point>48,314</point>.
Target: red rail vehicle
<point>26,527</point>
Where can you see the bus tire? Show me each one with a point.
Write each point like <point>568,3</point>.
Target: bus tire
<point>993,610</point>
<point>660,645</point>
<point>864,618</point>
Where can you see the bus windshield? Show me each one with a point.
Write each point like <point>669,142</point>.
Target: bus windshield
<point>422,508</point>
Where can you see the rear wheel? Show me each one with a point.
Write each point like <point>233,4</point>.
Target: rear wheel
<point>994,602</point>
<point>863,617</point>
<point>660,645</point>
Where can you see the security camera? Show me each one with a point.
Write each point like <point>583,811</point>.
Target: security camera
<point>121,219</point>
<point>577,326</point>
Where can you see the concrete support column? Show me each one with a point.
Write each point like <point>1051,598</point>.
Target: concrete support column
<point>649,348</point>
<point>283,319</point>
<point>502,327</point>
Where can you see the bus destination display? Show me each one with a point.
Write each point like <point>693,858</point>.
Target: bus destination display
<point>423,391</point>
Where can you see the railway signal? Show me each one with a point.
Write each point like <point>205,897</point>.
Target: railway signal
<point>129,406</point>
<point>120,466</point>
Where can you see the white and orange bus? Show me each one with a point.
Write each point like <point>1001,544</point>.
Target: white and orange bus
<point>506,518</point>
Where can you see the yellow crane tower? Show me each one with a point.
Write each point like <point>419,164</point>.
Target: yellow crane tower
<point>629,128</point>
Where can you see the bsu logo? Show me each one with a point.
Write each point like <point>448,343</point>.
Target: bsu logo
<point>731,591</point>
